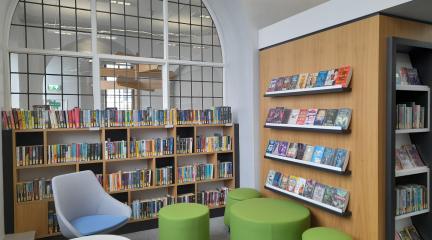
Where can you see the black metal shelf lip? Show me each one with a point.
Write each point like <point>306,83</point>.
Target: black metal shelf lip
<point>312,202</point>
<point>312,128</point>
<point>308,91</point>
<point>321,167</point>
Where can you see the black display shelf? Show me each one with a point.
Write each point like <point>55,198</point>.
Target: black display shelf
<point>323,129</point>
<point>306,164</point>
<point>308,91</point>
<point>347,213</point>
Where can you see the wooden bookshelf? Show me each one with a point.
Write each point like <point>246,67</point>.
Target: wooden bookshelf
<point>38,209</point>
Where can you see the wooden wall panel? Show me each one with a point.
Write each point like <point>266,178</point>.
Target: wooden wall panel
<point>355,44</point>
<point>363,45</point>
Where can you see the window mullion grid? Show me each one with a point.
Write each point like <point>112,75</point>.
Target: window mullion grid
<point>165,66</point>
<point>95,57</point>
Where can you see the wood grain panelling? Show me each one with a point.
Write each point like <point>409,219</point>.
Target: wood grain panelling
<point>363,45</point>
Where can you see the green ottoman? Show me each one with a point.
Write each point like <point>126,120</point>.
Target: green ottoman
<point>184,221</point>
<point>238,195</point>
<point>268,219</point>
<point>323,233</point>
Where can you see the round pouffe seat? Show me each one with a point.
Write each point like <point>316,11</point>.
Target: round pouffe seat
<point>268,219</point>
<point>184,221</point>
<point>324,233</point>
<point>238,195</point>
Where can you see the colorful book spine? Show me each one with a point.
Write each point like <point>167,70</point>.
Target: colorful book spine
<point>213,198</point>
<point>124,180</point>
<point>151,147</point>
<point>37,189</point>
<point>62,153</point>
<point>164,176</point>
<point>29,155</point>
<point>225,170</point>
<point>410,116</point>
<point>53,225</point>
<point>411,198</point>
<point>186,198</point>
<point>215,115</point>
<point>197,172</point>
<point>144,209</point>
<point>185,145</point>
<point>115,149</point>
<point>213,144</point>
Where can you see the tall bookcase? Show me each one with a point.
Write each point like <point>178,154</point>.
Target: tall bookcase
<point>33,215</point>
<point>408,53</point>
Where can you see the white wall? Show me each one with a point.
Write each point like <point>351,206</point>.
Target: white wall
<point>240,44</point>
<point>320,17</point>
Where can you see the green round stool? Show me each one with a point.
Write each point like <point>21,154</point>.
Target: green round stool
<point>238,195</point>
<point>184,221</point>
<point>324,233</point>
<point>268,219</point>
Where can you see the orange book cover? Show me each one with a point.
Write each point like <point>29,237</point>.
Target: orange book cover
<point>302,117</point>
<point>344,76</point>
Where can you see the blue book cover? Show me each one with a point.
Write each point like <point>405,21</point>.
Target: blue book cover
<point>340,157</point>
<point>328,156</point>
<point>318,154</point>
<point>270,146</point>
<point>322,76</point>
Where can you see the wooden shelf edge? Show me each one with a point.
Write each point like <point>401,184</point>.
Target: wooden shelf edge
<point>347,213</point>
<point>308,91</point>
<point>317,166</point>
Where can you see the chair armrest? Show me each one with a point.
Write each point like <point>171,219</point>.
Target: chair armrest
<point>112,206</point>
<point>69,227</point>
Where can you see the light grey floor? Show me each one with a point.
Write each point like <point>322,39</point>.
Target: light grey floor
<point>218,231</point>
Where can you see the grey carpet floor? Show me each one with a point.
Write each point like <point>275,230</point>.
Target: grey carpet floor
<point>218,231</point>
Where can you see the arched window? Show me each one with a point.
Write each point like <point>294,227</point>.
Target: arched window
<point>128,54</point>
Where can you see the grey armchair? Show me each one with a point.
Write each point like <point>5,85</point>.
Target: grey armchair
<point>84,208</point>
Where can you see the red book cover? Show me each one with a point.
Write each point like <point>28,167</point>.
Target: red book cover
<point>344,76</point>
<point>77,117</point>
<point>302,117</point>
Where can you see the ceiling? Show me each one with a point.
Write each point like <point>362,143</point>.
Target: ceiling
<point>416,9</point>
<point>263,13</point>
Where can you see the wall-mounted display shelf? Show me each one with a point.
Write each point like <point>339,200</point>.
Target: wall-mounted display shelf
<point>308,91</point>
<point>309,164</point>
<point>328,129</point>
<point>414,88</point>
<point>411,214</point>
<point>413,130</point>
<point>411,171</point>
<point>320,205</point>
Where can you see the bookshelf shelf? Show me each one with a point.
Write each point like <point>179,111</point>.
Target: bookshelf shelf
<point>308,91</point>
<point>308,164</point>
<point>411,214</point>
<point>106,166</point>
<point>414,130</point>
<point>328,129</point>
<point>415,88</point>
<point>320,205</point>
<point>411,171</point>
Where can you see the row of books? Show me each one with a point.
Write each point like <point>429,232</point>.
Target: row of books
<point>225,169</point>
<point>213,144</point>
<point>185,145</point>
<point>29,155</point>
<point>408,157</point>
<point>151,147</point>
<point>308,188</point>
<point>81,118</point>
<point>37,189</point>
<point>213,198</point>
<point>408,233</point>
<point>317,154</point>
<point>123,180</point>
<point>411,198</point>
<point>337,76</point>
<point>164,176</point>
<point>62,153</point>
<point>407,76</point>
<point>409,116</point>
<point>196,172</point>
<point>115,149</point>
<point>186,198</point>
<point>215,115</point>
<point>143,209</point>
<point>312,117</point>
<point>53,225</point>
